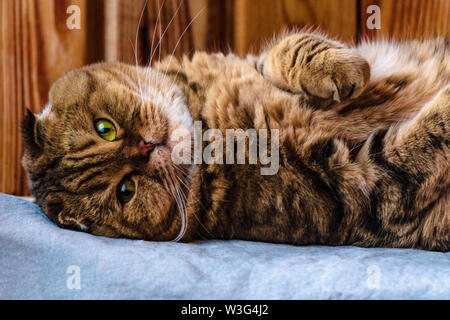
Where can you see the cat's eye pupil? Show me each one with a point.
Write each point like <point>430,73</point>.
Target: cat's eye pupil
<point>106,129</point>
<point>102,129</point>
<point>126,190</point>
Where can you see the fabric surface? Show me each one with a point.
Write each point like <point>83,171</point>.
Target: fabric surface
<point>38,260</point>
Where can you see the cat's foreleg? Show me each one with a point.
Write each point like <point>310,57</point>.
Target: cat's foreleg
<point>414,164</point>
<point>315,66</point>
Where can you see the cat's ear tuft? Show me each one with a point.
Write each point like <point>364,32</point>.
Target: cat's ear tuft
<point>31,133</point>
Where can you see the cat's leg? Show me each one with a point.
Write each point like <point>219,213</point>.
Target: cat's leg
<point>411,201</point>
<point>313,65</point>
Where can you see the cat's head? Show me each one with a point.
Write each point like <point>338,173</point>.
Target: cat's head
<point>98,157</point>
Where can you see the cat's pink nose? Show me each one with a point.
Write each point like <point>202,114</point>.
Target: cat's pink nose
<point>145,147</point>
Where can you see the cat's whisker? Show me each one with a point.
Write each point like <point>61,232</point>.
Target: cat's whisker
<point>161,36</point>
<point>183,216</point>
<point>182,198</point>
<point>141,94</point>
<point>148,64</point>
<point>159,44</point>
<point>157,25</point>
<point>179,39</point>
<point>181,171</point>
<point>148,75</point>
<point>171,186</point>
<point>176,75</point>
<point>195,198</point>
<point>160,75</point>
<point>135,51</point>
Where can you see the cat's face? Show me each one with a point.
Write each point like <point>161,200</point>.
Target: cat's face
<point>99,156</point>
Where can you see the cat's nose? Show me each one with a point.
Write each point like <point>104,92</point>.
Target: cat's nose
<point>145,147</point>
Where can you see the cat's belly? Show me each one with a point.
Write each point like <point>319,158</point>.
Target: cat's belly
<point>293,206</point>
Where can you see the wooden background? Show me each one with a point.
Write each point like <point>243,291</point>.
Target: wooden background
<point>36,47</point>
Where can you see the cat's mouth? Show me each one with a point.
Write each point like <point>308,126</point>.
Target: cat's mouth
<point>162,156</point>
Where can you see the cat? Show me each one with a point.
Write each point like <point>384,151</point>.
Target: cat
<point>363,146</point>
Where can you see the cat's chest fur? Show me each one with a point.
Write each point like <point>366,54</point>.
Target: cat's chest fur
<point>237,200</point>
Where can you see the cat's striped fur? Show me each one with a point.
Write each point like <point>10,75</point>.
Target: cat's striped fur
<point>364,146</point>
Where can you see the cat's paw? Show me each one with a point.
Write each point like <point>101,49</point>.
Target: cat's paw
<point>336,74</point>
<point>317,68</point>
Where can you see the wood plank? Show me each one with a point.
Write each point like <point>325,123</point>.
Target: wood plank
<point>10,178</point>
<point>201,27</point>
<point>255,24</point>
<point>223,36</point>
<point>407,19</point>
<point>170,29</point>
<point>135,28</point>
<point>123,21</point>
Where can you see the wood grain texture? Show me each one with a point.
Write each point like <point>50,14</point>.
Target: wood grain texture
<point>140,31</point>
<point>170,29</point>
<point>123,22</point>
<point>407,19</point>
<point>256,21</point>
<point>213,28</point>
<point>10,97</point>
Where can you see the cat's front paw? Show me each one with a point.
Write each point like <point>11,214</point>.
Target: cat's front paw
<point>336,74</point>
<point>317,68</point>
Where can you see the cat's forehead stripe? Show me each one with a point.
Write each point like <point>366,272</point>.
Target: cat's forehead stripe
<point>121,77</point>
<point>82,147</point>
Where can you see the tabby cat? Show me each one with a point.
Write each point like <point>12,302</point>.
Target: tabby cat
<point>364,146</point>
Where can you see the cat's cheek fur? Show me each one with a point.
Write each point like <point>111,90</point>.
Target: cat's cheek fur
<point>171,101</point>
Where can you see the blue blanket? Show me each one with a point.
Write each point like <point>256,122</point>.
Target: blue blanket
<point>38,260</point>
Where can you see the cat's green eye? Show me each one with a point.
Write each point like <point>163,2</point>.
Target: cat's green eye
<point>126,190</point>
<point>106,129</point>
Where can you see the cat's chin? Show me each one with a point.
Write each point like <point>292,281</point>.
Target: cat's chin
<point>161,156</point>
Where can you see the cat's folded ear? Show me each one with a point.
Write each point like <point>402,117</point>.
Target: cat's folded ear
<point>31,134</point>
<point>73,87</point>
